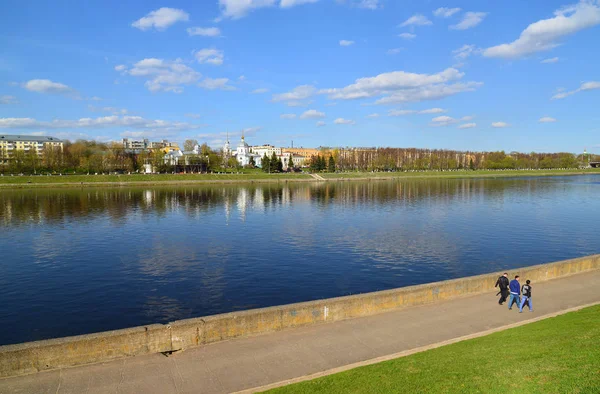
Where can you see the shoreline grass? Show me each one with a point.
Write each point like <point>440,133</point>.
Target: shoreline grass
<point>27,181</point>
<point>555,355</point>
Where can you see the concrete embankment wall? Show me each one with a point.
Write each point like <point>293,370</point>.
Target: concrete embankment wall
<point>84,349</point>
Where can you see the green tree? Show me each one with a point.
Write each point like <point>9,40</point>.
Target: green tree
<point>290,163</point>
<point>471,165</point>
<point>189,145</point>
<point>331,165</point>
<point>279,165</point>
<point>273,163</point>
<point>265,163</point>
<point>252,162</point>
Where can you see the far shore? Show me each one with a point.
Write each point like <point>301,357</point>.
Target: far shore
<point>44,181</point>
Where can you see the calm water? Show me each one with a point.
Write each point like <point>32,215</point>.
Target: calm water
<point>80,261</point>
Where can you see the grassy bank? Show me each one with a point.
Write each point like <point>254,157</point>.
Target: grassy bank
<point>458,174</point>
<point>258,176</point>
<point>556,355</point>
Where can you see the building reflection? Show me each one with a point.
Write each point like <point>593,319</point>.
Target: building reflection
<point>55,207</point>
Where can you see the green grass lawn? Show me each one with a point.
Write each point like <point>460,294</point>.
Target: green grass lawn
<point>556,355</point>
<point>150,178</point>
<point>458,174</point>
<point>257,175</point>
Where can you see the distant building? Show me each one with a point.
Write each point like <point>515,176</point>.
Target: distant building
<point>266,150</point>
<point>306,152</point>
<point>11,143</point>
<point>298,160</point>
<point>243,154</point>
<point>145,144</point>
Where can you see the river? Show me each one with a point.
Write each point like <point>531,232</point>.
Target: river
<point>75,261</point>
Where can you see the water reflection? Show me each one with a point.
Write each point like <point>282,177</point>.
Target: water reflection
<point>85,260</point>
<point>52,207</point>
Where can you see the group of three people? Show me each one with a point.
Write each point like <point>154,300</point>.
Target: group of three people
<point>519,295</point>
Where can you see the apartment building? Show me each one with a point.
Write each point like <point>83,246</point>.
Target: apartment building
<point>11,143</point>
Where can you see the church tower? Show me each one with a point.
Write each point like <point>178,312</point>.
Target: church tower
<point>226,148</point>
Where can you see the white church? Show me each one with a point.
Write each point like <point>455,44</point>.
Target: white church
<point>243,154</point>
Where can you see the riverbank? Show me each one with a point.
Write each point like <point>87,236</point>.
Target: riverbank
<point>259,177</point>
<point>266,361</point>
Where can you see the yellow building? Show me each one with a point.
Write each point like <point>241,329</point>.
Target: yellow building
<point>11,143</point>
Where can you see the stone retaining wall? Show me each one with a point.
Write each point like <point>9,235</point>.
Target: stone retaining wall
<point>182,334</point>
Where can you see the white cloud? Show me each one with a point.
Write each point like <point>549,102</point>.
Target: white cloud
<point>292,3</point>
<point>296,97</point>
<point>236,9</point>
<point>464,52</point>
<point>121,67</point>
<point>112,110</point>
<point>547,119</point>
<point>387,82</point>
<point>467,118</point>
<point>210,56</point>
<point>401,87</point>
<point>346,43</point>
<point>161,19</point>
<point>343,121</point>
<point>467,126</point>
<point>403,112</point>
<point>215,83</point>
<point>407,36</point>
<point>312,114</point>
<point>416,20</point>
<point>8,99</point>
<point>543,35</point>
<point>394,51</point>
<point>444,12</point>
<point>432,92</point>
<point>242,78</point>
<point>469,20</point>
<point>162,75</point>
<point>47,86</point>
<point>260,91</point>
<point>499,125</point>
<point>287,116</point>
<point>204,31</point>
<point>136,122</point>
<point>551,60</point>
<point>368,4</point>
<point>592,85</point>
<point>432,111</point>
<point>443,121</point>
<point>321,123</point>
<point>372,116</point>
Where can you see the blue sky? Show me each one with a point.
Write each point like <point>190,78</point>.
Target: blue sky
<point>466,75</point>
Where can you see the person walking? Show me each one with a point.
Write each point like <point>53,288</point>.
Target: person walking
<point>515,291</point>
<point>526,292</point>
<point>502,282</point>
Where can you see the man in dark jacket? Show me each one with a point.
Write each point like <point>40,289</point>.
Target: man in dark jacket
<point>515,290</point>
<point>502,282</point>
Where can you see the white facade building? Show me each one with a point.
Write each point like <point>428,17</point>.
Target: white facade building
<point>242,154</point>
<point>266,150</point>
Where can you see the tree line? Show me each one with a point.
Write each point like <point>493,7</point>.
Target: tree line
<point>413,159</point>
<point>86,157</point>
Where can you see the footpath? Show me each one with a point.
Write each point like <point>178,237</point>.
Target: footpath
<point>255,362</point>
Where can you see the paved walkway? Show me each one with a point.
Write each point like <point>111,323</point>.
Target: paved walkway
<point>253,362</point>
